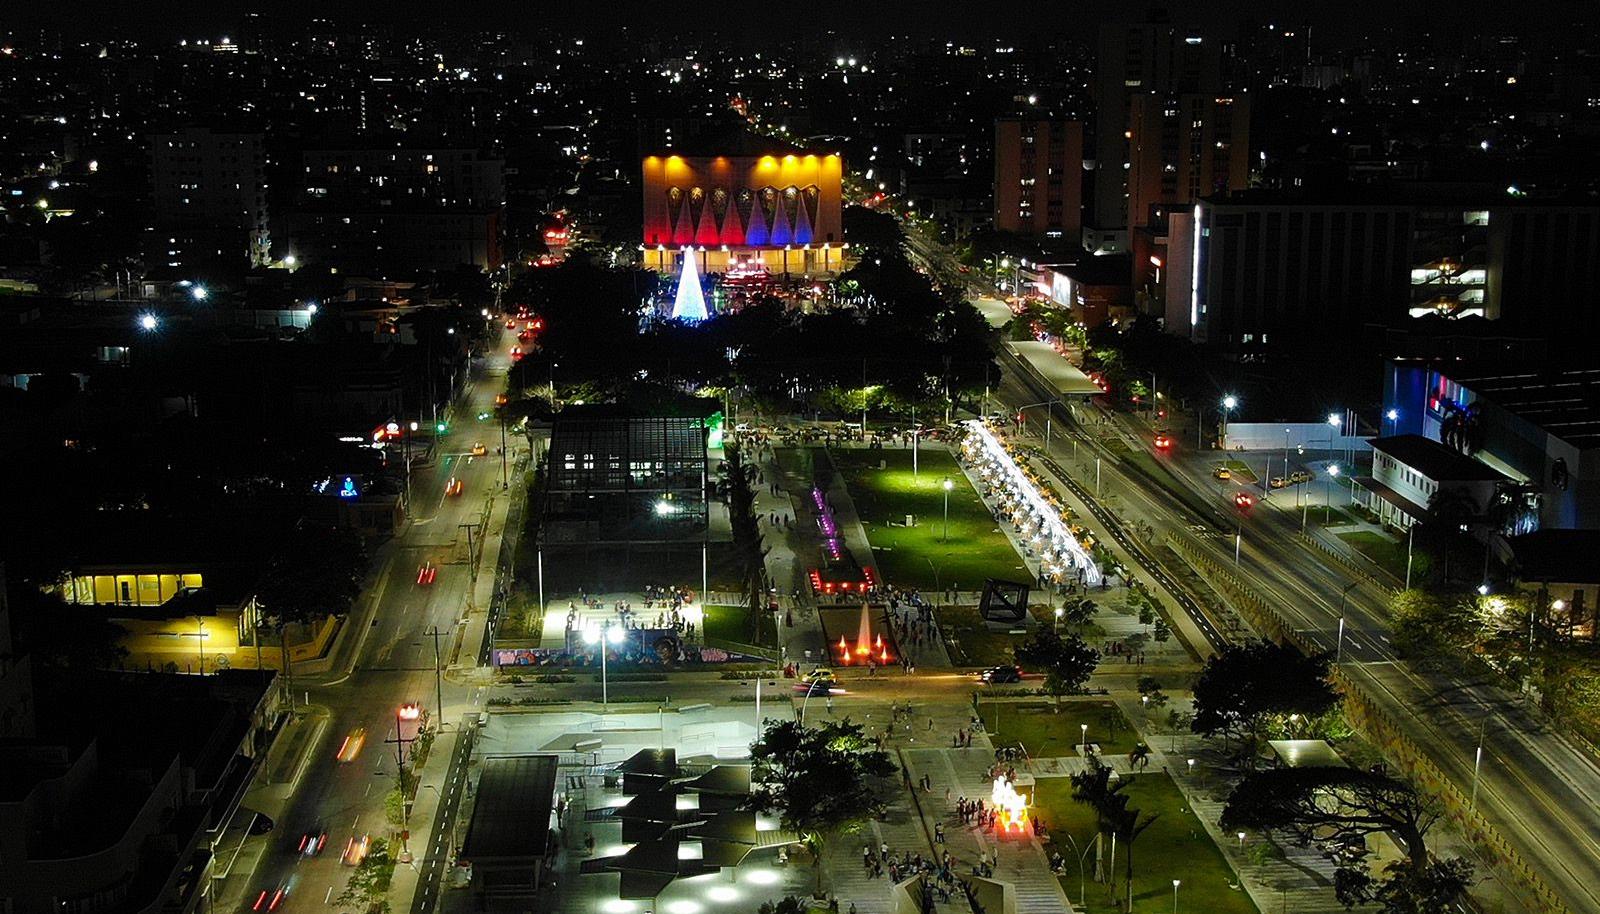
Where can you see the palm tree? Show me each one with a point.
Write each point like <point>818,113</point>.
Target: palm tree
<point>1112,814</point>
<point>1139,757</point>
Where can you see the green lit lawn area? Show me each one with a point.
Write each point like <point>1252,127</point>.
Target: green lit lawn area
<point>732,623</point>
<point>1388,554</point>
<point>978,644</point>
<point>915,556</point>
<point>1175,847</point>
<point>1042,731</point>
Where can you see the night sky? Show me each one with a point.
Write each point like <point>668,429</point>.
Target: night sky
<point>1339,21</point>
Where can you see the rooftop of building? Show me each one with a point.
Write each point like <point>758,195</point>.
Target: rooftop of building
<point>1563,402</point>
<point>733,141</point>
<point>1434,460</point>
<point>1109,270</point>
<point>1558,556</point>
<point>139,723</point>
<point>1399,194</point>
<point>511,817</point>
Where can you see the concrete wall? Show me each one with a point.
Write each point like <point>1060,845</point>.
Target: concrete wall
<point>1318,438</point>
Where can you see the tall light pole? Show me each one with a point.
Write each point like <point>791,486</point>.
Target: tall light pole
<point>1228,404</point>
<point>1343,595</point>
<point>1393,415</point>
<point>505,478</point>
<point>1175,884</point>
<point>947,485</point>
<point>1327,493</point>
<point>410,435</point>
<point>603,637</point>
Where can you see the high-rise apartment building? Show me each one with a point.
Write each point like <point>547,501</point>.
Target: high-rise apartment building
<point>1182,148</point>
<point>384,206</point>
<point>1038,177</point>
<point>1142,71</point>
<point>209,198</point>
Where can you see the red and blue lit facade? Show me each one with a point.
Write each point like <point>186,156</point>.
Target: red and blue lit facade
<point>775,213</point>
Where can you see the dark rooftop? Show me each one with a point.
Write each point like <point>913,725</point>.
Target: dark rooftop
<point>512,815</point>
<point>1110,270</point>
<point>1434,460</point>
<point>1564,403</point>
<point>1558,556</point>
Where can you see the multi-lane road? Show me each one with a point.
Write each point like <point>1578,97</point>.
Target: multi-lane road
<point>388,660</point>
<point>1537,788</point>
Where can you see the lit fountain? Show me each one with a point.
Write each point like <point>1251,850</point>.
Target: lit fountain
<point>867,644</point>
<point>1011,808</point>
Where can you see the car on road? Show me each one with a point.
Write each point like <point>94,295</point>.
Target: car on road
<point>1244,500</point>
<point>511,325</point>
<point>1001,674</point>
<point>355,850</point>
<point>1278,482</point>
<point>1221,473</point>
<point>272,899</point>
<point>501,399</point>
<point>453,486</point>
<point>1299,476</point>
<point>426,574</point>
<point>516,353</point>
<point>313,841</point>
<point>1163,441</point>
<point>820,679</point>
<point>478,450</point>
<point>351,746</point>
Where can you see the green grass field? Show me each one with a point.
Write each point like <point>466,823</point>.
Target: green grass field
<point>1175,847</point>
<point>731,623</point>
<point>919,556</point>
<point>1042,731</point>
<point>1388,554</point>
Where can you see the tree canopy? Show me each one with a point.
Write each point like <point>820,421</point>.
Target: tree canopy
<point>819,781</point>
<point>1345,805</point>
<point>317,571</point>
<point>1067,663</point>
<point>1244,686</point>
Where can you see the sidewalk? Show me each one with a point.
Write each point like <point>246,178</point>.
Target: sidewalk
<point>468,638</point>
<point>1020,861</point>
<point>428,851</point>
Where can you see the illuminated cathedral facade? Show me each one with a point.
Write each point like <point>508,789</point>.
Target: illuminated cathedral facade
<point>744,214</point>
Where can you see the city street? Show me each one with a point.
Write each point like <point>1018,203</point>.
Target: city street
<point>389,662</point>
<point>1532,783</point>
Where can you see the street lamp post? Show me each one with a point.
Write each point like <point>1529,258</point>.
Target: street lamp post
<point>1175,884</point>
<point>1327,493</point>
<point>505,478</point>
<point>602,637</point>
<point>1343,595</point>
<point>947,485</point>
<point>1228,404</point>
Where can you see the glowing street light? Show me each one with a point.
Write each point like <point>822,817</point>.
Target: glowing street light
<point>199,293</point>
<point>603,636</point>
<point>1229,402</point>
<point>149,322</point>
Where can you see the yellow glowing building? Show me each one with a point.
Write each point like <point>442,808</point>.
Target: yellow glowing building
<point>778,214</point>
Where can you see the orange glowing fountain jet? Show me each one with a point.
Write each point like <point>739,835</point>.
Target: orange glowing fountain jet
<point>864,634</point>
<point>1010,807</point>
